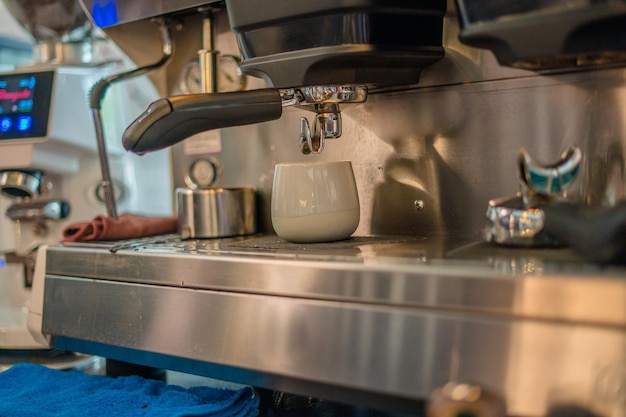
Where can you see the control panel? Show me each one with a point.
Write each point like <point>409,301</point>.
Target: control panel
<point>25,104</point>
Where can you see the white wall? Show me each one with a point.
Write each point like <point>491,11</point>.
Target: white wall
<point>10,28</point>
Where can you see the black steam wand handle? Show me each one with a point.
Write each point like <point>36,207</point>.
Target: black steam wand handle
<point>170,120</point>
<point>597,232</point>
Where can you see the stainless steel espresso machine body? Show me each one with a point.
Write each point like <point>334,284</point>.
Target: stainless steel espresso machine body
<point>415,313</point>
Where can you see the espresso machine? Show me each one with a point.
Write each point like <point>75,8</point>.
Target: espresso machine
<point>49,175</point>
<point>442,108</point>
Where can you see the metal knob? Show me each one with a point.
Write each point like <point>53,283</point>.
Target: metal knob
<point>460,399</point>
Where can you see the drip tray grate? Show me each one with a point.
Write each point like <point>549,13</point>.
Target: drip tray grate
<point>271,242</point>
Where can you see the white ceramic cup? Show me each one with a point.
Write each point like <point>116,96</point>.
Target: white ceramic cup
<point>314,201</point>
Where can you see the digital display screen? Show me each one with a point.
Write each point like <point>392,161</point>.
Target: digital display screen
<point>25,100</point>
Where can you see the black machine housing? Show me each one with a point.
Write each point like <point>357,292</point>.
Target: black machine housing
<point>371,42</point>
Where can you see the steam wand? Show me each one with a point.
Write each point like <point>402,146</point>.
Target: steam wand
<point>96,97</point>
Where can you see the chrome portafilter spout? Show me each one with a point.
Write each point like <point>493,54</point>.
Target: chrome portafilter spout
<point>326,125</point>
<point>325,102</point>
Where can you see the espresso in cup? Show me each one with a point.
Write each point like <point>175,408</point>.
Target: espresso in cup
<point>314,201</point>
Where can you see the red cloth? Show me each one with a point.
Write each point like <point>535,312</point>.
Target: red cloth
<point>126,226</point>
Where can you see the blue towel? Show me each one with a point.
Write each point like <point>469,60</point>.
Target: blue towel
<point>29,390</point>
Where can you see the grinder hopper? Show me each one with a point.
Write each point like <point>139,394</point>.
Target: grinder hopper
<point>61,30</point>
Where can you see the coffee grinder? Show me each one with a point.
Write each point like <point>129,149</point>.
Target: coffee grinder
<point>49,170</point>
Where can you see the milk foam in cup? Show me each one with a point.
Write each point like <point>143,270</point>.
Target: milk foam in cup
<point>314,201</point>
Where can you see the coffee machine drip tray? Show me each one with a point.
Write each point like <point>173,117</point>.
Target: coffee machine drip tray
<point>379,321</point>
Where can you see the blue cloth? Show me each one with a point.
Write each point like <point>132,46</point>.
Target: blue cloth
<point>29,390</point>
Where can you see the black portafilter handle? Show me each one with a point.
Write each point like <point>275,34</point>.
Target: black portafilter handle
<point>599,233</point>
<point>170,120</point>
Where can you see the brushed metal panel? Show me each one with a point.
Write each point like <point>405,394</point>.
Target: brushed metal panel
<point>574,292</point>
<point>452,147</point>
<point>401,353</point>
